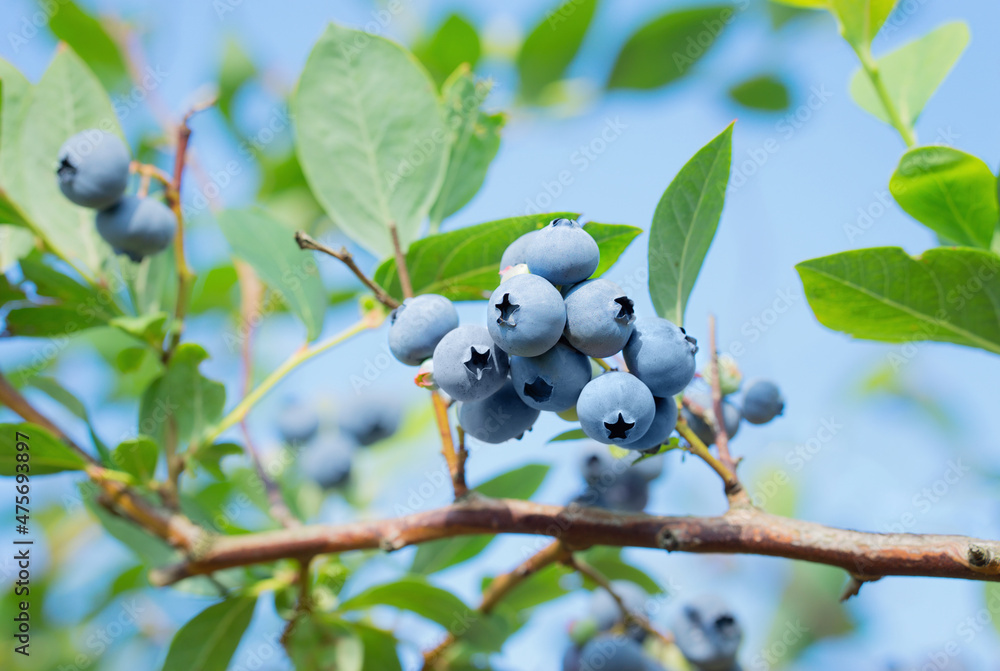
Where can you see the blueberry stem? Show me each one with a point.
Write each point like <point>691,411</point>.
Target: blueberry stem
<point>401,268</point>
<point>699,449</point>
<point>305,241</point>
<point>602,363</point>
<point>721,438</point>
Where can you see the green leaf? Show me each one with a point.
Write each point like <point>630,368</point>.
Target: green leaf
<point>210,458</point>
<point>464,265</point>
<point>15,243</point>
<point>810,610</point>
<point>88,37</point>
<point>609,562</point>
<point>379,648</point>
<point>475,139</point>
<point>207,642</point>
<point>945,295</point>
<point>950,192</point>
<point>182,397</point>
<point>151,549</point>
<point>149,328</point>
<point>552,45</point>
<point>808,4</point>
<point>235,71</point>
<point>371,136</point>
<point>520,483</point>
<point>762,92</point>
<point>68,99</point>
<point>453,44</point>
<point>667,47</point>
<point>137,457</point>
<point>45,453</point>
<point>542,587</point>
<point>912,73</point>
<point>11,213</point>
<point>572,434</point>
<point>270,247</point>
<point>782,13</point>
<point>44,321</point>
<point>684,225</point>
<point>214,290</point>
<point>15,94</point>
<point>324,641</point>
<point>860,20</point>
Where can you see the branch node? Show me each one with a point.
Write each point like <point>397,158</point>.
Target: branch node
<point>667,540</point>
<point>979,557</point>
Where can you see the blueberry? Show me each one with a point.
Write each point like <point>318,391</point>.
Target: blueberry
<point>708,634</point>
<point>762,402</point>
<point>571,659</point>
<point>137,227</point>
<point>599,317</point>
<point>597,465</point>
<point>626,491</point>
<point>327,461</point>
<point>468,365</point>
<point>526,315</point>
<point>613,653</point>
<point>663,425</point>
<point>562,252</point>
<point>661,354</point>
<point>604,609</point>
<point>297,423</point>
<point>615,408</point>
<point>515,253</point>
<point>417,326</point>
<point>705,430</point>
<point>93,169</point>
<point>551,381</point>
<point>368,420</point>
<point>498,418</point>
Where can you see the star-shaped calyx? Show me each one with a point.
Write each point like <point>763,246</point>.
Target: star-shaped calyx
<point>626,310</point>
<point>479,362</point>
<point>507,310</point>
<point>538,390</point>
<point>619,429</point>
<point>66,168</point>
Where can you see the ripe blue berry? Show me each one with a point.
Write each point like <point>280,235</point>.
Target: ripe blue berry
<point>526,315</point>
<point>562,252</point>
<point>608,652</point>
<point>417,326</point>
<point>571,659</point>
<point>762,402</point>
<point>498,418</point>
<point>599,317</point>
<point>327,461</point>
<point>615,408</point>
<point>367,421</point>
<point>93,168</point>
<point>137,227</point>
<point>663,425</point>
<point>297,423</point>
<point>605,610</point>
<point>708,634</point>
<point>661,354</point>
<point>468,365</point>
<point>552,381</point>
<point>515,253</point>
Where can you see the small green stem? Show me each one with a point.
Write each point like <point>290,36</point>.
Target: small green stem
<point>875,77</point>
<point>301,356</point>
<point>601,362</point>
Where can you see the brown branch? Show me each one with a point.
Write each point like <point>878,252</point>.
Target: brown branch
<point>401,268</point>
<point>604,583</point>
<point>305,241</point>
<point>454,458</point>
<point>721,437</point>
<point>501,586</point>
<point>175,529</point>
<point>742,530</point>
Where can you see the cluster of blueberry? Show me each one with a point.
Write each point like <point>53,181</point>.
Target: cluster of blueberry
<point>705,632</point>
<point>93,172</point>
<point>326,452</point>
<point>545,322</point>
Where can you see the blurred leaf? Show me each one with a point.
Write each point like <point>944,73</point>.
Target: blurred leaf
<point>809,611</point>
<point>552,45</point>
<point>379,648</point>
<point>808,4</point>
<point>43,321</point>
<point>860,20</point>
<point>182,397</point>
<point>15,94</point>
<point>371,136</point>
<point>58,393</point>
<point>207,642</point>
<point>154,283</point>
<point>945,295</point>
<point>89,38</point>
<point>465,264</point>
<point>150,328</point>
<point>210,457</point>
<point>521,483</point>
<point>11,213</point>
<point>9,292</point>
<point>235,71</point>
<point>912,73</point>
<point>667,47</point>
<point>215,290</point>
<point>572,434</point>
<point>609,562</point>
<point>782,13</point>
<point>540,588</point>
<point>323,641</point>
<point>270,247</point>
<point>45,453</point>
<point>15,244</point>
<point>475,139</point>
<point>950,192</point>
<point>137,457</point>
<point>149,548</point>
<point>775,492</point>
<point>684,225</point>
<point>763,92</point>
<point>454,43</point>
<point>67,99</point>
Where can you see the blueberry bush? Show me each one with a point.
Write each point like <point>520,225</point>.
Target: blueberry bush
<point>390,143</point>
